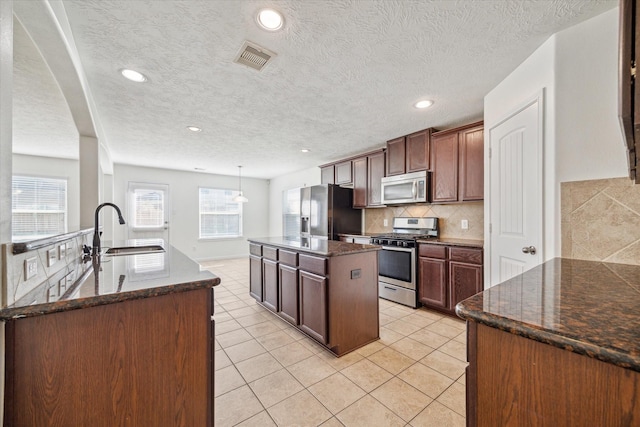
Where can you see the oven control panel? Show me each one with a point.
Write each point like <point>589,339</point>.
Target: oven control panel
<point>393,242</point>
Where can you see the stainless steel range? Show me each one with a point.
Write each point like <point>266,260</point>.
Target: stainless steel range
<point>397,275</point>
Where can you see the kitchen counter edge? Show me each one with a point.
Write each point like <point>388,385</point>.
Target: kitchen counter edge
<point>447,241</point>
<point>333,247</point>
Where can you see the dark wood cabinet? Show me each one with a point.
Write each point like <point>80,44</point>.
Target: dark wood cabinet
<point>327,174</point>
<point>375,173</point>
<point>408,153</point>
<point>628,87</point>
<point>360,183</point>
<point>417,151</point>
<point>141,362</point>
<point>313,305</point>
<point>457,163</point>
<point>465,280</point>
<point>255,281</point>
<point>444,165</point>
<point>270,284</point>
<point>344,173</point>
<point>323,296</point>
<point>448,275</point>
<point>472,164</point>
<point>433,282</point>
<point>396,149</point>
<point>288,293</point>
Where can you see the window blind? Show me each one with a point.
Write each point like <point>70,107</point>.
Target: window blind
<point>148,208</point>
<point>220,216</point>
<point>38,207</point>
<point>291,212</point>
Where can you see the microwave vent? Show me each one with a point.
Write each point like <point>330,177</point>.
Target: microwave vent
<point>254,56</point>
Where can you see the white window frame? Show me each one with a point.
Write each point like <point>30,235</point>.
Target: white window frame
<point>290,211</point>
<point>230,194</point>
<point>64,210</point>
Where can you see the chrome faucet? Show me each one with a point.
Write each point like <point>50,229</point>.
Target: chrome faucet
<point>96,232</point>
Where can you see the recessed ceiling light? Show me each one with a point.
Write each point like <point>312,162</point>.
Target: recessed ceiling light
<point>423,104</point>
<point>305,150</point>
<point>270,19</point>
<point>194,128</point>
<point>133,75</point>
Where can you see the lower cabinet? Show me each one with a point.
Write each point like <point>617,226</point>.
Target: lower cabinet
<point>448,275</point>
<point>255,282</point>
<point>313,305</point>
<point>142,362</point>
<point>288,293</point>
<point>333,299</point>
<point>270,284</point>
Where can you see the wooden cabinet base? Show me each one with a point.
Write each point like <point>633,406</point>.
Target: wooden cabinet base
<point>146,362</point>
<point>516,381</point>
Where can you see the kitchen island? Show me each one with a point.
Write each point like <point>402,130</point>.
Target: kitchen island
<point>129,343</point>
<point>328,289</point>
<point>557,345</point>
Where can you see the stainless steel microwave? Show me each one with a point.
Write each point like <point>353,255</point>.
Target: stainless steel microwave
<point>407,188</point>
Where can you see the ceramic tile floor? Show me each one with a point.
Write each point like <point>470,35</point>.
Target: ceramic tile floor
<point>268,373</point>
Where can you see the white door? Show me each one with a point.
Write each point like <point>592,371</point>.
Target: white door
<point>148,211</point>
<point>516,193</point>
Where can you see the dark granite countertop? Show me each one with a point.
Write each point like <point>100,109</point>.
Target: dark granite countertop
<point>315,246</point>
<point>587,307</point>
<point>113,279</point>
<point>454,242</point>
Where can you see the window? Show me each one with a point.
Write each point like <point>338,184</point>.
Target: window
<point>38,207</point>
<point>148,207</point>
<point>220,216</point>
<point>291,212</point>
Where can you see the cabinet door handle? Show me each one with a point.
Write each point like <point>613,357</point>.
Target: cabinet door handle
<point>391,289</point>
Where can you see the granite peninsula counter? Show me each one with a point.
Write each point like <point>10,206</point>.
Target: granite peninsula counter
<point>108,348</point>
<point>556,345</point>
<point>326,288</point>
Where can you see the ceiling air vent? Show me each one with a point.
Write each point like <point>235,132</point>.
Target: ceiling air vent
<point>254,56</point>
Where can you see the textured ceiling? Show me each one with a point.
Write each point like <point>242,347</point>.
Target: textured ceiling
<point>344,79</point>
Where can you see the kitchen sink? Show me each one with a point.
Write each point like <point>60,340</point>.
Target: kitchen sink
<point>134,250</point>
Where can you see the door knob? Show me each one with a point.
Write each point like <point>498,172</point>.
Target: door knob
<point>529,250</point>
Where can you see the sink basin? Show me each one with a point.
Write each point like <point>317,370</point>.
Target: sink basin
<point>134,250</point>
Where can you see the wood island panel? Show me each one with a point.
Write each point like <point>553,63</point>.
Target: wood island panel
<point>138,362</point>
<point>522,382</point>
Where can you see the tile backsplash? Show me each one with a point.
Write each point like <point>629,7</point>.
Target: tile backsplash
<point>601,220</point>
<point>450,217</point>
<point>65,265</point>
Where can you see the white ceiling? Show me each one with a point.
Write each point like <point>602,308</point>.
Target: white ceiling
<point>343,82</point>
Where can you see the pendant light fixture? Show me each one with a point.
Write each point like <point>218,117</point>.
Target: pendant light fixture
<point>240,197</point>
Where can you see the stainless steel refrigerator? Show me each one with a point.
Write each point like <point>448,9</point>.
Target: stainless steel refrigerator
<point>327,210</point>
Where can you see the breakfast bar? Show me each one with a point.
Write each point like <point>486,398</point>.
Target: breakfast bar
<point>328,289</point>
<point>556,345</point>
<point>129,342</point>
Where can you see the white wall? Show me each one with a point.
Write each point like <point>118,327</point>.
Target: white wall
<point>588,134</point>
<point>50,167</point>
<point>183,204</point>
<point>577,69</point>
<point>303,178</point>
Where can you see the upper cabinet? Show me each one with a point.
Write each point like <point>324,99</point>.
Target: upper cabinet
<point>408,153</point>
<point>327,174</point>
<point>344,173</point>
<point>629,93</point>
<point>457,163</point>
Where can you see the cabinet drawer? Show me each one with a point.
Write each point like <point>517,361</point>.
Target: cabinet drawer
<point>255,249</point>
<point>313,264</point>
<point>468,255</point>
<point>288,258</point>
<point>270,253</point>
<point>433,251</point>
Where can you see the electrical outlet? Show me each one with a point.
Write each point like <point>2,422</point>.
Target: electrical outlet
<point>30,268</point>
<point>385,222</point>
<point>52,257</point>
<point>464,224</point>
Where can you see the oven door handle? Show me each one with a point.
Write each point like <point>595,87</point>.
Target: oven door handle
<point>398,249</point>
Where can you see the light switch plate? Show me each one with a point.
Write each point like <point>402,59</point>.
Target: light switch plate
<point>385,222</point>
<point>30,268</point>
<point>52,257</point>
